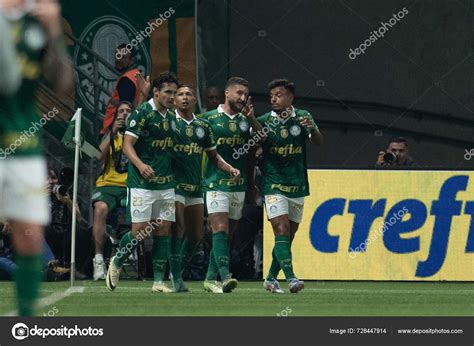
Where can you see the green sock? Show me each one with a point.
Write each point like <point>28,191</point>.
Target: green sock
<point>28,277</point>
<point>128,243</point>
<point>159,253</point>
<point>212,269</point>
<point>283,254</point>
<point>175,257</point>
<point>188,250</point>
<point>220,248</point>
<point>275,266</point>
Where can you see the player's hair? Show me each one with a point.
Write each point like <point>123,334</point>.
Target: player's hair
<point>187,86</point>
<point>123,48</point>
<point>236,81</point>
<point>398,140</point>
<point>164,77</point>
<point>285,83</point>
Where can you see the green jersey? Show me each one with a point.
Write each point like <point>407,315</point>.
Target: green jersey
<point>191,138</point>
<point>154,133</point>
<point>20,127</point>
<point>284,154</point>
<point>231,133</point>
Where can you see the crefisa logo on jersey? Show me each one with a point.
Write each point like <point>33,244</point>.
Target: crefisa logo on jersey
<point>103,35</point>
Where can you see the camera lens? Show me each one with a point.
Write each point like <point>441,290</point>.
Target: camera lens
<point>389,157</point>
<point>60,189</point>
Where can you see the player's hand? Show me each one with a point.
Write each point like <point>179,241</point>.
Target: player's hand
<point>64,199</point>
<point>234,173</point>
<point>380,160</point>
<point>248,110</point>
<point>6,228</point>
<point>146,171</point>
<point>306,122</point>
<point>143,84</point>
<point>48,13</point>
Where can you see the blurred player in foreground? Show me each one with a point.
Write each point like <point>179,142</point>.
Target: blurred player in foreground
<point>36,35</point>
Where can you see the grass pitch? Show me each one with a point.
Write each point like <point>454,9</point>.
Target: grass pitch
<point>134,298</point>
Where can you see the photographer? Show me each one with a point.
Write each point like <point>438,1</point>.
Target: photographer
<point>111,186</point>
<point>396,154</point>
<point>57,232</point>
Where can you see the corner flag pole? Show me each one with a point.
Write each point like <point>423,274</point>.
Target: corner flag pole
<point>77,140</point>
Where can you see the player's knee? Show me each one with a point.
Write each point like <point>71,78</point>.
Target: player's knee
<point>220,226</point>
<point>282,229</point>
<point>100,210</point>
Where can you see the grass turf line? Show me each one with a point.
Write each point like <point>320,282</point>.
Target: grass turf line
<point>134,298</point>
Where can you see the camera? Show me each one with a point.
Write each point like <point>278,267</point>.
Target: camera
<point>21,332</point>
<point>65,178</point>
<point>389,157</point>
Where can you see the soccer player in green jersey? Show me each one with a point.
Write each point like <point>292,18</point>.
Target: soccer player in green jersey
<point>285,179</point>
<point>192,136</point>
<point>148,145</point>
<point>225,196</point>
<point>37,38</point>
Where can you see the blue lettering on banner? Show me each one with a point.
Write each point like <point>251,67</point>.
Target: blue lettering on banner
<point>366,211</point>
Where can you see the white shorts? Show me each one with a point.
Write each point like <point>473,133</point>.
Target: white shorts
<point>23,193</point>
<point>147,205</point>
<point>278,205</point>
<point>225,202</point>
<point>188,201</point>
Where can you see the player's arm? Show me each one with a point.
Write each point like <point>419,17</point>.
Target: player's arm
<point>129,150</point>
<point>249,112</point>
<point>251,187</point>
<point>217,160</point>
<point>312,130</point>
<point>136,123</point>
<point>57,66</point>
<point>9,68</point>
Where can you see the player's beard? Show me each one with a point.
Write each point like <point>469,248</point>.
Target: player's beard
<point>236,106</point>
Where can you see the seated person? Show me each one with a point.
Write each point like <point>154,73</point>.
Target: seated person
<point>111,185</point>
<point>8,266</point>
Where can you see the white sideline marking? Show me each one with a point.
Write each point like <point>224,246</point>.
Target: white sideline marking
<point>52,299</point>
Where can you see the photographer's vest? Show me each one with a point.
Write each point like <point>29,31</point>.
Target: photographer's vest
<point>110,176</point>
<point>110,111</point>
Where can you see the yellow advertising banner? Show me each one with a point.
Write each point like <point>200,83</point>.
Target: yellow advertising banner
<point>384,225</point>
